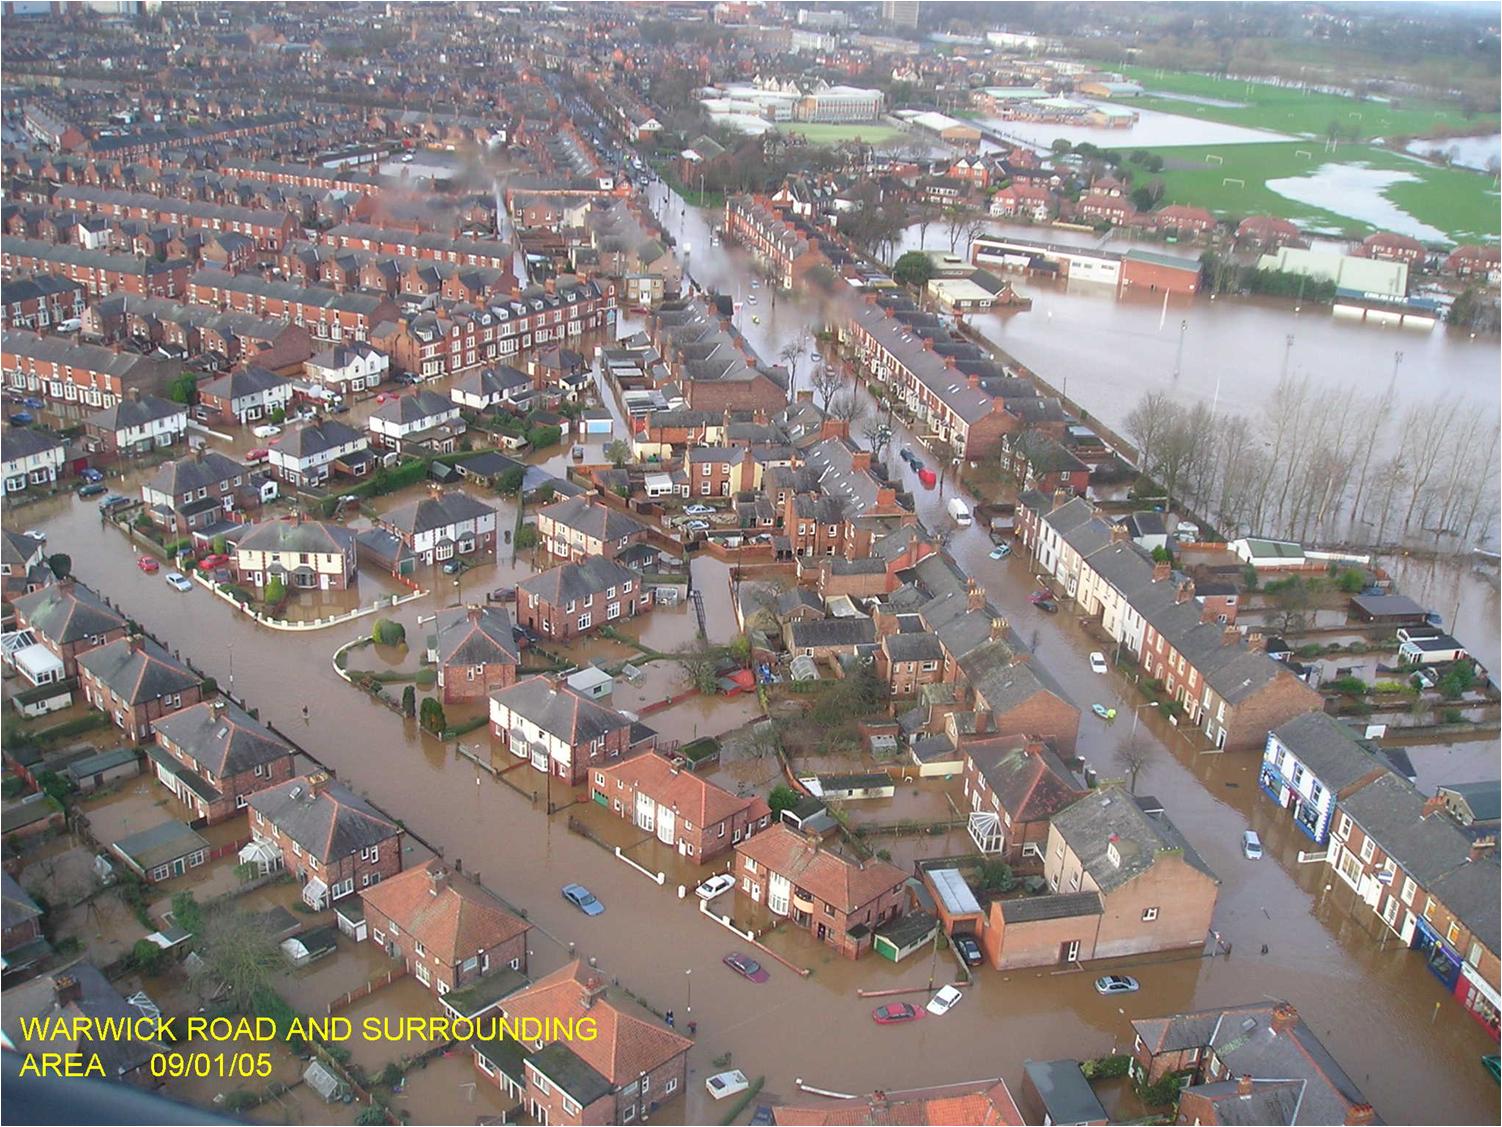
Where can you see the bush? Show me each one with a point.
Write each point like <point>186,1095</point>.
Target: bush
<point>543,437</point>
<point>1351,581</point>
<point>526,537</point>
<point>276,590</point>
<point>1351,686</point>
<point>147,957</point>
<point>388,633</point>
<point>409,702</point>
<point>186,912</point>
<point>431,716</point>
<point>1457,682</point>
<point>1106,1067</point>
<point>783,797</point>
<point>509,484</point>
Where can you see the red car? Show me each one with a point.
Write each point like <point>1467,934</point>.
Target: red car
<point>148,564</point>
<point>895,1013</point>
<point>746,967</point>
<point>928,477</point>
<point>259,454</point>
<point>209,563</point>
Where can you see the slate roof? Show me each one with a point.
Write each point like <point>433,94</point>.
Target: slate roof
<point>160,845</point>
<point>434,513</point>
<point>199,471</point>
<point>414,408</point>
<point>97,999</point>
<point>328,820</point>
<point>292,535</point>
<point>243,383</point>
<point>913,647</point>
<point>1031,782</point>
<point>222,738</point>
<point>68,612</point>
<point>559,711</point>
<point>695,799</point>
<point>846,884</point>
<point>315,438</point>
<point>24,442</point>
<point>1470,891</point>
<point>572,582</point>
<point>1248,1044</point>
<point>16,904</point>
<point>1110,816</point>
<point>475,636</point>
<point>1483,799</point>
<point>1033,908</point>
<point>137,670</point>
<point>1329,749</point>
<point>600,522</point>
<point>1391,811</point>
<point>831,632</point>
<point>132,412</point>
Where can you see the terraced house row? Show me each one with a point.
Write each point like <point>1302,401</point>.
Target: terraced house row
<point>84,374</point>
<point>101,272</point>
<point>269,228</point>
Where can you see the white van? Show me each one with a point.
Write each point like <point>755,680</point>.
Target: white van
<point>959,512</point>
<point>71,325</point>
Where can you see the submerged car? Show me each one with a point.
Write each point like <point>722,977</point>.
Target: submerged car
<point>723,1084</point>
<point>1251,846</point>
<point>91,489</point>
<point>1098,662</point>
<point>1001,551</point>
<point>895,1013</point>
<point>714,886</point>
<point>178,581</point>
<point>969,950</point>
<point>1115,984</point>
<point>746,967</point>
<point>148,564</point>
<point>268,430</point>
<point>583,899</point>
<point>944,1001</point>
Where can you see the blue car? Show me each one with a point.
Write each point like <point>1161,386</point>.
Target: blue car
<point>89,473</point>
<point>33,402</point>
<point>583,899</point>
<point>21,418</point>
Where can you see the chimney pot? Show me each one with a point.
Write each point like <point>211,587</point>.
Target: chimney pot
<point>66,990</point>
<point>1359,1114</point>
<point>1433,805</point>
<point>1284,1017</point>
<point>1118,534</point>
<point>1244,1085</point>
<point>1161,571</point>
<point>438,880</point>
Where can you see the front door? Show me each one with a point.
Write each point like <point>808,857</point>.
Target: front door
<point>179,866</point>
<point>1070,952</point>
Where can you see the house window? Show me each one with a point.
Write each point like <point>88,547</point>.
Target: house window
<point>1149,915</point>
<point>371,853</point>
<point>671,1086</point>
<point>1343,831</point>
<point>1452,933</point>
<point>1409,888</point>
<point>1474,956</point>
<point>421,950</point>
<point>1368,847</point>
<point>570,1107</point>
<point>584,621</point>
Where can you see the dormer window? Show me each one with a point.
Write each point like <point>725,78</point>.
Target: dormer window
<point>1113,854</point>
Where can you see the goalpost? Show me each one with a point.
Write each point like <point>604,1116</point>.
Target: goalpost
<point>1229,180</point>
<point>1305,153</point>
<point>1213,158</point>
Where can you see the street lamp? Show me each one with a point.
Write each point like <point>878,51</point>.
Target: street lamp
<point>689,978</point>
<point>1137,715</point>
<point>1178,362</point>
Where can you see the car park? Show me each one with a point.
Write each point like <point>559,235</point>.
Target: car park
<point>1098,662</point>
<point>714,886</point>
<point>724,1084</point>
<point>1115,984</point>
<point>583,899</point>
<point>745,966</point>
<point>1251,846</point>
<point>178,581</point>
<point>944,1001</point>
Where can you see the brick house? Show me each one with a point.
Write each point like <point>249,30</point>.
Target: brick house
<point>907,661</point>
<point>574,598</point>
<point>449,930</point>
<point>1421,874</point>
<point>474,650</point>
<point>1312,762</point>
<point>621,1075</point>
<point>213,757</point>
<point>198,491</point>
<point>136,424</point>
<point>69,619</point>
<point>1037,461</point>
<point>332,840</point>
<point>1255,1063</point>
<point>1124,882</point>
<point>1020,695</point>
<point>1014,788</point>
<point>561,731</point>
<point>243,397</point>
<point>443,525</point>
<point>579,528</point>
<point>311,453</point>
<point>1392,247</point>
<point>692,815</point>
<point>839,901</point>
<point>40,301</point>
<point>306,555</point>
<point>135,682</point>
<point>1184,221</point>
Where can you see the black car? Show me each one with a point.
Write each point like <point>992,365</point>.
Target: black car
<point>1047,606</point>
<point>969,950</point>
<point>92,489</point>
<point>910,458</point>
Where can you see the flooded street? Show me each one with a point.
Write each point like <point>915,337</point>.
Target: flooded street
<point>1366,1002</point>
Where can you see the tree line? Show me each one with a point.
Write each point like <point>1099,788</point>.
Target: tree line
<point>1327,466</point>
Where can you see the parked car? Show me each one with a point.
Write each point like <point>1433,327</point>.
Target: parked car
<point>746,967</point>
<point>213,560</point>
<point>1047,606</point>
<point>1039,596</point>
<point>751,299</point>
<point>969,950</point>
<point>92,489</point>
<point>714,886</point>
<point>1001,551</point>
<point>90,474</point>
<point>762,1117</point>
<point>895,1013</point>
<point>1425,679</point>
<point>266,430</point>
<point>694,526</point>
<point>583,899</point>
<point>178,581</point>
<point>1098,662</point>
<point>36,534</point>
<point>32,403</point>
<point>339,408</point>
<point>21,418</point>
<point>723,1084</point>
<point>453,567</point>
<point>148,564</point>
<point>927,477</point>
<point>259,454</point>
<point>1251,846</point>
<point>944,1001</point>
<point>910,458</point>
<point>698,510</point>
<point>112,502</point>
<point>503,595</point>
<point>1115,984</point>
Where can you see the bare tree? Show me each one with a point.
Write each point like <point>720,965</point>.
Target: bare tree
<point>791,355</point>
<point>1147,422</point>
<point>957,220</point>
<point>924,216</point>
<point>846,406</point>
<point>826,382</point>
<point>1132,759</point>
<point>238,956</point>
<point>878,435</point>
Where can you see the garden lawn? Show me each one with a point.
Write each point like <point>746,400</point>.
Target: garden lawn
<point>869,132</point>
<point>1455,200</point>
<point>1288,109</point>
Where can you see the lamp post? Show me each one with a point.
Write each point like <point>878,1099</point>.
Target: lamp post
<point>1137,716</point>
<point>688,976</point>
<point>1178,361</point>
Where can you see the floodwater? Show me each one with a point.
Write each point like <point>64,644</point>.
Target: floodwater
<point>1468,152</point>
<point>1358,192</point>
<point>1152,128</point>
<point>1371,1005</point>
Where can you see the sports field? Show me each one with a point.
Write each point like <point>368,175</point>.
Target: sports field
<point>871,133</point>
<point>1288,109</point>
<point>1461,204</point>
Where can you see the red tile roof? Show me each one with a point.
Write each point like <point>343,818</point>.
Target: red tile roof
<point>695,799</point>
<point>452,916</point>
<point>988,1104</point>
<point>831,878</point>
<point>626,1045</point>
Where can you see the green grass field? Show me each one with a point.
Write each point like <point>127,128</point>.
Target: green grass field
<point>1461,203</point>
<point>1290,110</point>
<point>869,132</point>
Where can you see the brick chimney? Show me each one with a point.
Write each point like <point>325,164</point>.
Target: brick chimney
<point>982,722</point>
<point>878,1104</point>
<point>1184,591</point>
<point>1244,1085</point>
<point>998,629</point>
<point>1360,1114</point>
<point>860,460</point>
<point>137,642</point>
<point>975,595</point>
<point>1482,848</point>
<point>1061,497</point>
<point>318,782</point>
<point>1230,635</point>
<point>1161,571</point>
<point>1256,641</point>
<point>438,880</point>
<point>1119,534</point>
<point>1284,1017</point>
<point>1433,805</point>
<point>594,990</point>
<point>66,990</point>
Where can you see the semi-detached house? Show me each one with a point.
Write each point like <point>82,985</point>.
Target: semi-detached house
<point>561,731</point>
<point>197,492</point>
<point>574,598</point>
<point>443,525</point>
<point>213,756</point>
<point>135,683</point>
<point>304,555</point>
<point>32,457</point>
<point>579,528</point>
<point>309,454</point>
<point>243,396</point>
<point>136,424</point>
<point>688,814</point>
<point>422,420</point>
